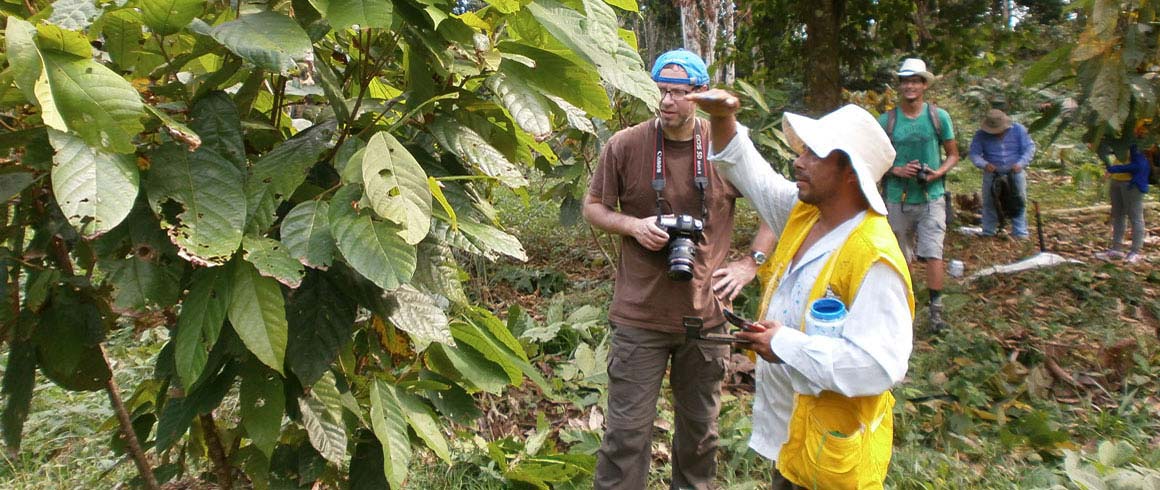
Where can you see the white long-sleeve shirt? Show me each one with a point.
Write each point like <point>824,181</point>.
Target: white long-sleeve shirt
<point>872,354</point>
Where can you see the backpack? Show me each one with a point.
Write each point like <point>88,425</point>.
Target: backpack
<point>1007,200</point>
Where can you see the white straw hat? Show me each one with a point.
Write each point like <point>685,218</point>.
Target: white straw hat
<point>914,67</point>
<point>854,131</point>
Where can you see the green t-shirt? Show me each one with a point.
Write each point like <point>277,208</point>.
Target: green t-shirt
<point>914,139</point>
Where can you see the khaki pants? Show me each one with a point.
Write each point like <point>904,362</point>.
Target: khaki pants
<point>636,366</point>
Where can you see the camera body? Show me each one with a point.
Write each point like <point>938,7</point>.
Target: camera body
<point>684,233</point>
<point>924,173</point>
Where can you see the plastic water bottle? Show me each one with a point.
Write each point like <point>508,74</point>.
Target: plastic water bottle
<point>827,317</point>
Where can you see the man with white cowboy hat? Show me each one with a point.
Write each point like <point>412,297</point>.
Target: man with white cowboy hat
<point>1002,149</point>
<point>914,186</point>
<point>835,242</point>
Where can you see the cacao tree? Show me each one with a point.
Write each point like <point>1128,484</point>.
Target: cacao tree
<point>288,189</point>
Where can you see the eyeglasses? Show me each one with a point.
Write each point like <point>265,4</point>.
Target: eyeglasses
<point>677,93</point>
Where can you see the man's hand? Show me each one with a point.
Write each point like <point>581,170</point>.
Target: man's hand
<point>989,168</point>
<point>715,102</point>
<point>648,234</point>
<point>908,171</point>
<point>729,280</point>
<point>759,341</point>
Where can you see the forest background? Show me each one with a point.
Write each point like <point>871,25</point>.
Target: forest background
<point>336,243</point>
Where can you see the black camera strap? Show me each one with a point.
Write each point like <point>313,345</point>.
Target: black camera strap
<point>700,181</point>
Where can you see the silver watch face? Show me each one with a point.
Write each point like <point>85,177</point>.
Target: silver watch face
<point>758,257</point>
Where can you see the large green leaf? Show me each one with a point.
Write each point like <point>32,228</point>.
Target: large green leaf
<point>438,273</point>
<point>527,107</point>
<point>470,334</point>
<point>262,403</point>
<point>258,314</point>
<point>275,176</point>
<point>269,40</point>
<point>94,188</point>
<point>420,316</point>
<point>122,31</point>
<point>272,260</point>
<point>209,190</point>
<point>92,101</point>
<point>68,342</point>
<point>306,234</point>
<point>1111,95</point>
<point>322,417</point>
<point>476,151</point>
<point>390,427</point>
<point>216,120</point>
<point>202,314</point>
<point>372,248</point>
<point>468,365</point>
<point>422,419</point>
<point>321,317</point>
<point>19,379</point>
<point>366,14</point>
<point>23,56</point>
<point>139,282</point>
<point>491,241</point>
<point>396,186</point>
<point>562,76</point>
<point>593,34</point>
<point>166,17</point>
<point>54,38</point>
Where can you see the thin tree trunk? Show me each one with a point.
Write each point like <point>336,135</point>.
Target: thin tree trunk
<point>690,33</point>
<point>131,442</point>
<point>823,78</point>
<point>217,452</point>
<point>726,72</point>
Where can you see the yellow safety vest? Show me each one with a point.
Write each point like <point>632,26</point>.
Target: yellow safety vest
<point>835,441</point>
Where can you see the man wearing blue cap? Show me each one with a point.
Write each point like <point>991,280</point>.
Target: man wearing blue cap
<point>659,168</point>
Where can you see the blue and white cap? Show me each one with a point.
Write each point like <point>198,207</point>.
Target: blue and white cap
<point>693,65</point>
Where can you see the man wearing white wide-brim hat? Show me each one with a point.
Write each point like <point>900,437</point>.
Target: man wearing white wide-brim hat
<point>914,186</point>
<point>834,242</point>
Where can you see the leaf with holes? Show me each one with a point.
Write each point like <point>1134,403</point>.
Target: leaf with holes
<point>95,189</point>
<point>372,248</point>
<point>306,234</point>
<point>396,186</point>
<point>262,403</point>
<point>272,260</point>
<point>258,315</point>
<point>208,190</point>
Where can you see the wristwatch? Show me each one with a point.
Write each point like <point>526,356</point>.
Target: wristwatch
<point>759,257</point>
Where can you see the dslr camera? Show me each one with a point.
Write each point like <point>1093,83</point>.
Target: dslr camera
<point>923,174</point>
<point>684,233</point>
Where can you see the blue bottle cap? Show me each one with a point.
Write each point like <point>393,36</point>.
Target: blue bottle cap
<point>827,309</point>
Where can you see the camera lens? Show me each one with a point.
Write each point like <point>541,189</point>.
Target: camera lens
<point>681,253</point>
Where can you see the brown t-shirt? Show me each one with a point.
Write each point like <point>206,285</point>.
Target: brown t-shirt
<point>644,296</point>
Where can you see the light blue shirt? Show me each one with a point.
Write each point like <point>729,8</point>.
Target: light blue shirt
<point>1013,147</point>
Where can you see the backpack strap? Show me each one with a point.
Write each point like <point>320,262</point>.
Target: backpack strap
<point>891,119</point>
<point>934,120</point>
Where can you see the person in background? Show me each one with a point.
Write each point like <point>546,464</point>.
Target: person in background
<point>660,167</point>
<point>1002,147</point>
<point>914,186</point>
<point>835,242</point>
<point>1129,183</point>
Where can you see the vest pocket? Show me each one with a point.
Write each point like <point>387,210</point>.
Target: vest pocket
<point>834,439</point>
